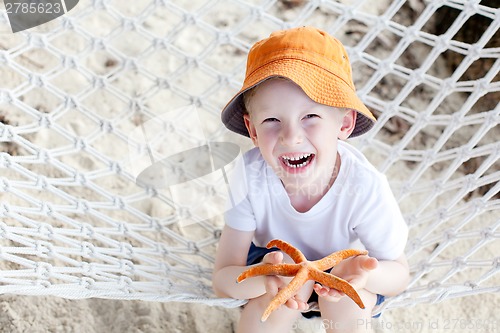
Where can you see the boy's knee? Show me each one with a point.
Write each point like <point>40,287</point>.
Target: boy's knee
<point>347,316</point>
<point>347,309</point>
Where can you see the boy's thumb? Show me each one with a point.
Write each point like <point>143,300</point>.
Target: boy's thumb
<point>275,257</point>
<point>370,263</point>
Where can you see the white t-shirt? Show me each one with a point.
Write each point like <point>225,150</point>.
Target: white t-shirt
<point>358,207</point>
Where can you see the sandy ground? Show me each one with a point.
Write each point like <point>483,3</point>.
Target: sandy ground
<point>54,314</point>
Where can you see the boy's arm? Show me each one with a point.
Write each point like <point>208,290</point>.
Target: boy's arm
<point>230,261</point>
<point>385,277</point>
<point>390,277</point>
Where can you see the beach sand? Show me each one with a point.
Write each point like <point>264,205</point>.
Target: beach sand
<point>53,314</point>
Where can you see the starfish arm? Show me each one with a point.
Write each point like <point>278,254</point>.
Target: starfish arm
<point>336,257</point>
<point>287,292</point>
<point>334,282</point>
<point>292,251</point>
<point>269,269</point>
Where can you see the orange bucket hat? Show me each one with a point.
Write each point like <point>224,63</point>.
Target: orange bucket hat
<point>312,59</point>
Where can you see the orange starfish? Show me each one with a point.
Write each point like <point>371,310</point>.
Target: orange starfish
<point>303,270</point>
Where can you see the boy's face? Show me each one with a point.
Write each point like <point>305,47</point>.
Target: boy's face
<point>297,136</point>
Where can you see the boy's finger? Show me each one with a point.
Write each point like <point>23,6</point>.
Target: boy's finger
<point>275,257</point>
<point>369,263</point>
<point>335,293</point>
<point>292,304</point>
<point>303,306</point>
<point>295,303</point>
<point>273,284</point>
<point>325,292</point>
<point>320,290</point>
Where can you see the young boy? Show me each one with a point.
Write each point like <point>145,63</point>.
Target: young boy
<point>306,186</point>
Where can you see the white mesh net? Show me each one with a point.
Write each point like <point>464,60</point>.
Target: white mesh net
<point>74,222</point>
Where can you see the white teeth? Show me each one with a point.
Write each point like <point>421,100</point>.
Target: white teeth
<point>296,158</point>
<point>288,159</point>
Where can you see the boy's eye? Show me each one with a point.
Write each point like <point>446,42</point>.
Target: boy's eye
<point>311,115</point>
<point>267,120</point>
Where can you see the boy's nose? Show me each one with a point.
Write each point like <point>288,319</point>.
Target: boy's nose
<point>291,135</point>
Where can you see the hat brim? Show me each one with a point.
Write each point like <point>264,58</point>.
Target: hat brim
<point>320,85</point>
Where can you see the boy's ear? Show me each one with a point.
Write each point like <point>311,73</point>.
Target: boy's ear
<point>251,129</point>
<point>348,124</point>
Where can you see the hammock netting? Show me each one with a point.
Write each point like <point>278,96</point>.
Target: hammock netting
<point>92,99</point>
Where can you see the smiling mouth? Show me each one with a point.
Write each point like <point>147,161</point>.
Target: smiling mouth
<point>297,161</point>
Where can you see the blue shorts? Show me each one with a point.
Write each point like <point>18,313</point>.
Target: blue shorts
<point>255,256</point>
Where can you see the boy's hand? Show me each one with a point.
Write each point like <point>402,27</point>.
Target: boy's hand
<point>274,283</point>
<point>354,270</point>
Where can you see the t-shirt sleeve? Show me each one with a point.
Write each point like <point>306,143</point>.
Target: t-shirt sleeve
<point>241,217</point>
<point>380,224</point>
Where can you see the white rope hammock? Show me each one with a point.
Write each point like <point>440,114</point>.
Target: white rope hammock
<point>91,99</point>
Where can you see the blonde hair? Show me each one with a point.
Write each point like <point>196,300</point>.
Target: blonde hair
<point>247,95</point>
